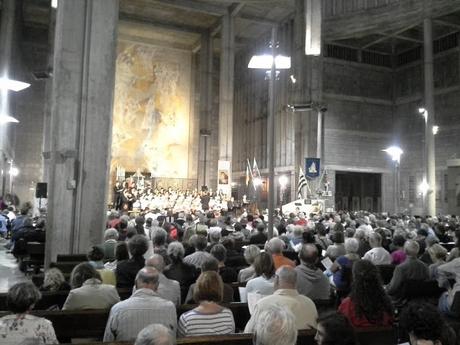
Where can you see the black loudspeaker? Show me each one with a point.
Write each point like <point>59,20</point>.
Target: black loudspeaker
<point>42,190</point>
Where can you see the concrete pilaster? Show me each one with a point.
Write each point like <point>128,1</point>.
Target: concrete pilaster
<point>81,124</point>
<point>227,64</point>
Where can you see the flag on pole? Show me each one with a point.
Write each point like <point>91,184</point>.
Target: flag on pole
<point>255,169</point>
<point>302,183</point>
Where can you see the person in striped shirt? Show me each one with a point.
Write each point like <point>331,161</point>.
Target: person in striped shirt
<point>209,317</point>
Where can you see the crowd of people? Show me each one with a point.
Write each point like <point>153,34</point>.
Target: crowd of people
<point>171,258</point>
<point>128,195</point>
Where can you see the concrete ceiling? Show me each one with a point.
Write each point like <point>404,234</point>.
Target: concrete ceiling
<point>179,23</point>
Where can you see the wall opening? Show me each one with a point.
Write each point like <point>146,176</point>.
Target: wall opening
<point>355,191</point>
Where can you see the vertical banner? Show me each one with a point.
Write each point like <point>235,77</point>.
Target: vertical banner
<point>224,178</point>
<point>312,167</point>
<point>313,15</point>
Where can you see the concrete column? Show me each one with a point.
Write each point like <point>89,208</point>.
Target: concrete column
<point>81,124</point>
<point>430,204</point>
<point>206,68</point>
<point>227,67</point>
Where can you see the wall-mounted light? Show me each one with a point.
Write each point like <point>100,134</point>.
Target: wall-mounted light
<point>7,119</point>
<point>13,85</point>
<point>293,79</point>
<point>424,187</point>
<point>266,62</point>
<point>54,3</point>
<point>395,153</point>
<point>283,180</point>
<point>14,171</point>
<point>435,130</point>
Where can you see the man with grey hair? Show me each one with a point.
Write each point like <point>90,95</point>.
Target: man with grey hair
<point>311,281</point>
<point>377,255</point>
<point>197,258</point>
<point>286,295</point>
<point>275,247</point>
<point>275,326</point>
<point>110,242</point>
<point>143,308</point>
<point>411,269</point>
<point>155,334</point>
<point>168,289</point>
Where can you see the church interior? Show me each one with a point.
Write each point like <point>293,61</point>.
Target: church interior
<point>354,110</point>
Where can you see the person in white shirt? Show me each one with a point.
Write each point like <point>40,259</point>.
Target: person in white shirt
<point>377,255</point>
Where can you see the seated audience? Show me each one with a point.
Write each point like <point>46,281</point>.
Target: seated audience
<point>337,248</point>
<point>377,255</point>
<point>155,334</point>
<point>95,256</point>
<point>197,258</point>
<point>178,270</point>
<point>127,318</point>
<point>209,317</point>
<point>455,252</point>
<point>159,239</point>
<point>398,256</point>
<point>126,270</point>
<point>88,292</point>
<point>411,269</point>
<point>211,264</point>
<point>275,247</point>
<point>364,246</point>
<point>438,256</point>
<point>54,281</point>
<point>321,237</point>
<point>286,295</point>
<point>446,272</point>
<point>121,254</point>
<point>342,266</point>
<point>311,281</point>
<point>250,254</point>
<point>228,274</point>
<point>110,242</point>
<point>335,329</point>
<point>425,325</point>
<point>275,326</point>
<point>263,283</point>
<point>234,257</point>
<point>368,304</point>
<point>20,327</point>
<point>167,288</point>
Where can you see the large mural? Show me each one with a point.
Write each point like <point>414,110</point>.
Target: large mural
<point>151,110</point>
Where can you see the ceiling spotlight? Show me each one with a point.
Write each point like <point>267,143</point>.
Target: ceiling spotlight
<point>54,3</point>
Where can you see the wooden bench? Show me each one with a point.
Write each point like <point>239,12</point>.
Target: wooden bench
<point>372,336</point>
<point>71,258</point>
<point>35,257</point>
<point>57,298</point>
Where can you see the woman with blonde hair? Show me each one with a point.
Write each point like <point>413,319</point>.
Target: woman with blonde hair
<point>209,317</point>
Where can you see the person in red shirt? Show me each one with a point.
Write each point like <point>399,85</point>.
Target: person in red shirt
<point>368,304</point>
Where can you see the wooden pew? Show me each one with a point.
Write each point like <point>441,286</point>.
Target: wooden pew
<point>305,337</point>
<point>57,298</point>
<point>71,258</point>
<point>65,266</point>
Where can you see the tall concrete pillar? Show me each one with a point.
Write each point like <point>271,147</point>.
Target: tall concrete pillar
<point>227,68</point>
<point>81,124</point>
<point>430,203</point>
<point>206,68</point>
<point>308,88</point>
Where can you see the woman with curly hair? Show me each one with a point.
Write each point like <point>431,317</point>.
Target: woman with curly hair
<point>368,304</point>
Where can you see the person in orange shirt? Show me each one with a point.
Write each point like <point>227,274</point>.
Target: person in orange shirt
<point>275,247</point>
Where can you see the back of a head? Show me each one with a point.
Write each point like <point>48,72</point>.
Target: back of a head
<point>423,322</point>
<point>250,253</point>
<point>176,251</point>
<point>147,276</point>
<point>351,245</point>
<point>22,297</point>
<point>96,253</point>
<point>53,279</point>
<point>261,227</point>
<point>121,251</point>
<point>210,264</point>
<point>199,242</point>
<point>208,287</point>
<point>156,261</point>
<point>263,265</point>
<point>155,334</point>
<point>81,273</point>
<point>335,329</point>
<point>275,246</point>
<point>275,325</point>
<point>138,245</point>
<point>308,254</point>
<point>375,240</point>
<point>286,278</point>
<point>411,248</point>
<point>111,234</point>
<point>219,252</point>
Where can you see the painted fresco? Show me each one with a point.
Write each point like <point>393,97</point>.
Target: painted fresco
<point>151,110</point>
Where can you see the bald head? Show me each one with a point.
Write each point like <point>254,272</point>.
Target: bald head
<point>156,261</point>
<point>147,278</point>
<point>285,278</point>
<point>308,254</point>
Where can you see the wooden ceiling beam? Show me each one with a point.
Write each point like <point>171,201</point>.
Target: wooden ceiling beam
<point>257,20</point>
<point>153,42</point>
<point>387,36</point>
<point>214,10</point>
<point>448,24</point>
